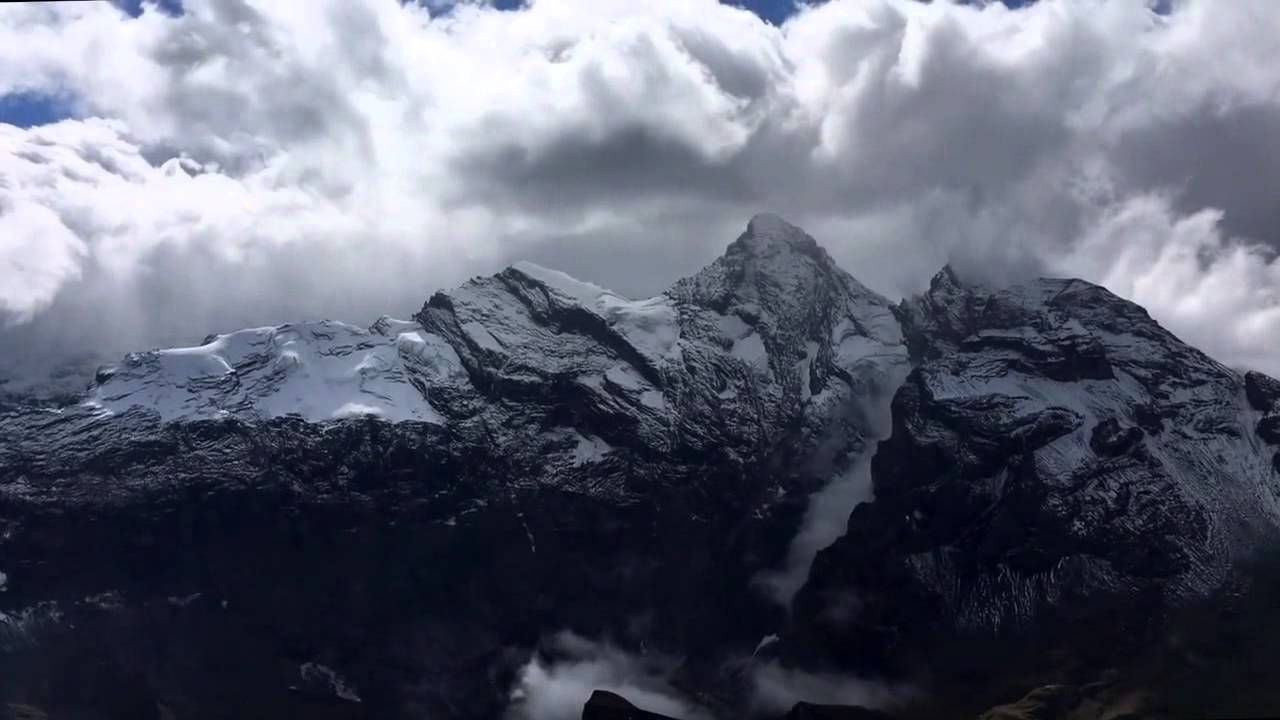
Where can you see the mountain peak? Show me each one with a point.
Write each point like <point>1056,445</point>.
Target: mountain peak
<point>770,224</point>
<point>776,268</point>
<point>769,235</point>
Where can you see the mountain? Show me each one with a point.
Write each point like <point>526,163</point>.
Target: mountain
<point>1058,461</point>
<point>322,520</point>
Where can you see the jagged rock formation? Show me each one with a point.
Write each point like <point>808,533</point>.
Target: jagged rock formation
<point>1056,456</point>
<point>317,519</point>
<point>604,705</point>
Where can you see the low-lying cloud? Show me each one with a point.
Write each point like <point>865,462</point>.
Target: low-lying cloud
<point>825,520</point>
<point>252,162</point>
<point>827,512</point>
<point>556,682</point>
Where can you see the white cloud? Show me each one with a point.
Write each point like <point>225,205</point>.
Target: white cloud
<point>557,688</point>
<point>1219,294</point>
<point>826,516</point>
<point>346,159</point>
<point>37,257</point>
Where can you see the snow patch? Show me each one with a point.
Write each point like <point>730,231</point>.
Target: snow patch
<point>389,326</point>
<point>653,399</point>
<point>317,371</point>
<point>625,377</point>
<point>590,449</point>
<point>481,336</point>
<point>651,326</point>
<point>584,293</point>
<point>315,672</point>
<point>751,350</point>
<point>355,409</point>
<point>732,326</point>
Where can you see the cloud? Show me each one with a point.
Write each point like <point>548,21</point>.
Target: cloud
<point>555,687</point>
<point>39,256</point>
<point>827,513</point>
<point>1218,293</point>
<point>825,520</point>
<point>252,162</point>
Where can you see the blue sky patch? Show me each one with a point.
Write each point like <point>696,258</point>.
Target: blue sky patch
<point>28,109</point>
<point>134,7</point>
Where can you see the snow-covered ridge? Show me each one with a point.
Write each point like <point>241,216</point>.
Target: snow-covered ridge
<point>651,325</point>
<point>317,371</point>
<point>1053,444</point>
<point>770,333</point>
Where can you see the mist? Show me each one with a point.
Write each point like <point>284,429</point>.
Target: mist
<point>558,680</point>
<point>827,512</point>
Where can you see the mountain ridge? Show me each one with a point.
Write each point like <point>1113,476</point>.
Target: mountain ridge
<point>532,453</point>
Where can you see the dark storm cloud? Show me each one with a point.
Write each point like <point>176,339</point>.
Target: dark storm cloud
<point>1223,155</point>
<point>630,163</point>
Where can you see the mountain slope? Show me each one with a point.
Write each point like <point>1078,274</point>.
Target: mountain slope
<point>412,507</point>
<point>1057,458</point>
<point>321,520</point>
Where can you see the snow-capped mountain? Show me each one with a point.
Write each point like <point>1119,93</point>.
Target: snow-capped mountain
<point>384,522</point>
<point>1055,453</point>
<point>769,335</point>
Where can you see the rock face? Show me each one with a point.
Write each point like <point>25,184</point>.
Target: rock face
<point>1055,456</point>
<point>810,711</point>
<point>604,705</point>
<point>321,520</point>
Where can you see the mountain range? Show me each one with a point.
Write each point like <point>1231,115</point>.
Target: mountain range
<point>767,484</point>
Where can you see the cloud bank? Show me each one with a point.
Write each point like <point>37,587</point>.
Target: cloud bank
<point>555,686</point>
<point>252,162</point>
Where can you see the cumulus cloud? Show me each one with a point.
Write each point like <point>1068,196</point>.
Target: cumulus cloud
<point>252,162</point>
<point>556,683</point>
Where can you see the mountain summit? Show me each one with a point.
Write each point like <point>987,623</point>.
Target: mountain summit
<point>388,522</point>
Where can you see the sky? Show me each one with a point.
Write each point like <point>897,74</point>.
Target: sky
<point>168,171</point>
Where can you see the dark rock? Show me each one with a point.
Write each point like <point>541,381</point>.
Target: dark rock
<point>810,711</point>
<point>1269,428</point>
<point>1110,438</point>
<point>604,705</point>
<point>1052,702</point>
<point>1262,392</point>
